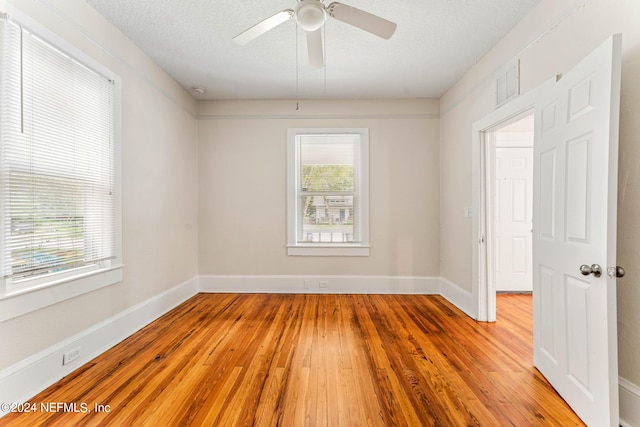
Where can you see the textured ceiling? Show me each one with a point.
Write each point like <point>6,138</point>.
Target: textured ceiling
<point>435,43</point>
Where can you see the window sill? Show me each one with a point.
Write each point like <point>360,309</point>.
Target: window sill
<point>16,302</point>
<point>325,250</point>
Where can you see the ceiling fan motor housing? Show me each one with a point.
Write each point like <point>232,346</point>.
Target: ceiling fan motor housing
<point>310,14</point>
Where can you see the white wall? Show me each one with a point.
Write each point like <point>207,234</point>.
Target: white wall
<point>159,174</point>
<point>242,164</point>
<point>549,41</point>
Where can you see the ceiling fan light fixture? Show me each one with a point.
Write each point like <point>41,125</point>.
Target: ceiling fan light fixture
<point>310,14</point>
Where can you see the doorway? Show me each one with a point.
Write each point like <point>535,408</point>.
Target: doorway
<point>505,135</point>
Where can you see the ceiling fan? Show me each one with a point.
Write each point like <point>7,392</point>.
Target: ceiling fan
<point>310,16</point>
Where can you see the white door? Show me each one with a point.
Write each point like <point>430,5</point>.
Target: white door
<point>575,194</point>
<point>513,218</point>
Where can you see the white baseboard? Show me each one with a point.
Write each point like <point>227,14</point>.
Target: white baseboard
<point>629,404</point>
<point>22,381</point>
<point>331,284</point>
<point>459,297</point>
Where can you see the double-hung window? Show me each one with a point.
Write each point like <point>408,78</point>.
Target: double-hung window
<point>328,192</point>
<point>59,195</point>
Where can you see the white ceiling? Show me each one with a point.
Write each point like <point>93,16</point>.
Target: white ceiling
<point>435,43</point>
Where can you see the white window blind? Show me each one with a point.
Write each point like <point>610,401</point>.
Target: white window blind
<point>57,207</point>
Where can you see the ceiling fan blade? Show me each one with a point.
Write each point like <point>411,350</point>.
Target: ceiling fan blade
<point>262,27</point>
<point>315,48</point>
<point>361,19</point>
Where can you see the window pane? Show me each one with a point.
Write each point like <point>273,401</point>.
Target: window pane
<point>327,219</point>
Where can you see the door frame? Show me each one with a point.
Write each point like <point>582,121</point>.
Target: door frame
<point>483,287</point>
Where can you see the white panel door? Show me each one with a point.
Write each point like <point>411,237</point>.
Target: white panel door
<point>575,195</point>
<point>513,216</point>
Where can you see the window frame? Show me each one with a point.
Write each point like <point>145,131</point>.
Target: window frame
<point>296,248</point>
<point>40,291</point>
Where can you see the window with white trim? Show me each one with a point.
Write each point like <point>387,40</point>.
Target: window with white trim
<point>328,192</point>
<point>59,195</point>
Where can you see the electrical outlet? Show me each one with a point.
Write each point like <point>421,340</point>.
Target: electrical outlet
<point>70,356</point>
<point>323,284</point>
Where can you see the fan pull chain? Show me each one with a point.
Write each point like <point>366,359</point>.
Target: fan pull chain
<point>297,66</point>
<point>324,55</point>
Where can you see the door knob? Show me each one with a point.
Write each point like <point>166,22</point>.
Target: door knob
<point>595,269</point>
<point>616,271</point>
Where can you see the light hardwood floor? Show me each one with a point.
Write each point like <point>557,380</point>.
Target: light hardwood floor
<point>314,360</point>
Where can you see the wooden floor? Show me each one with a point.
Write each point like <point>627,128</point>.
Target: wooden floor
<point>307,360</point>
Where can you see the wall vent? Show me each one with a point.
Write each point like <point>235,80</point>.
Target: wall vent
<point>508,84</point>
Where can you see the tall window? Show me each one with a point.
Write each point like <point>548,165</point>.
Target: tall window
<point>57,163</point>
<point>328,192</point>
